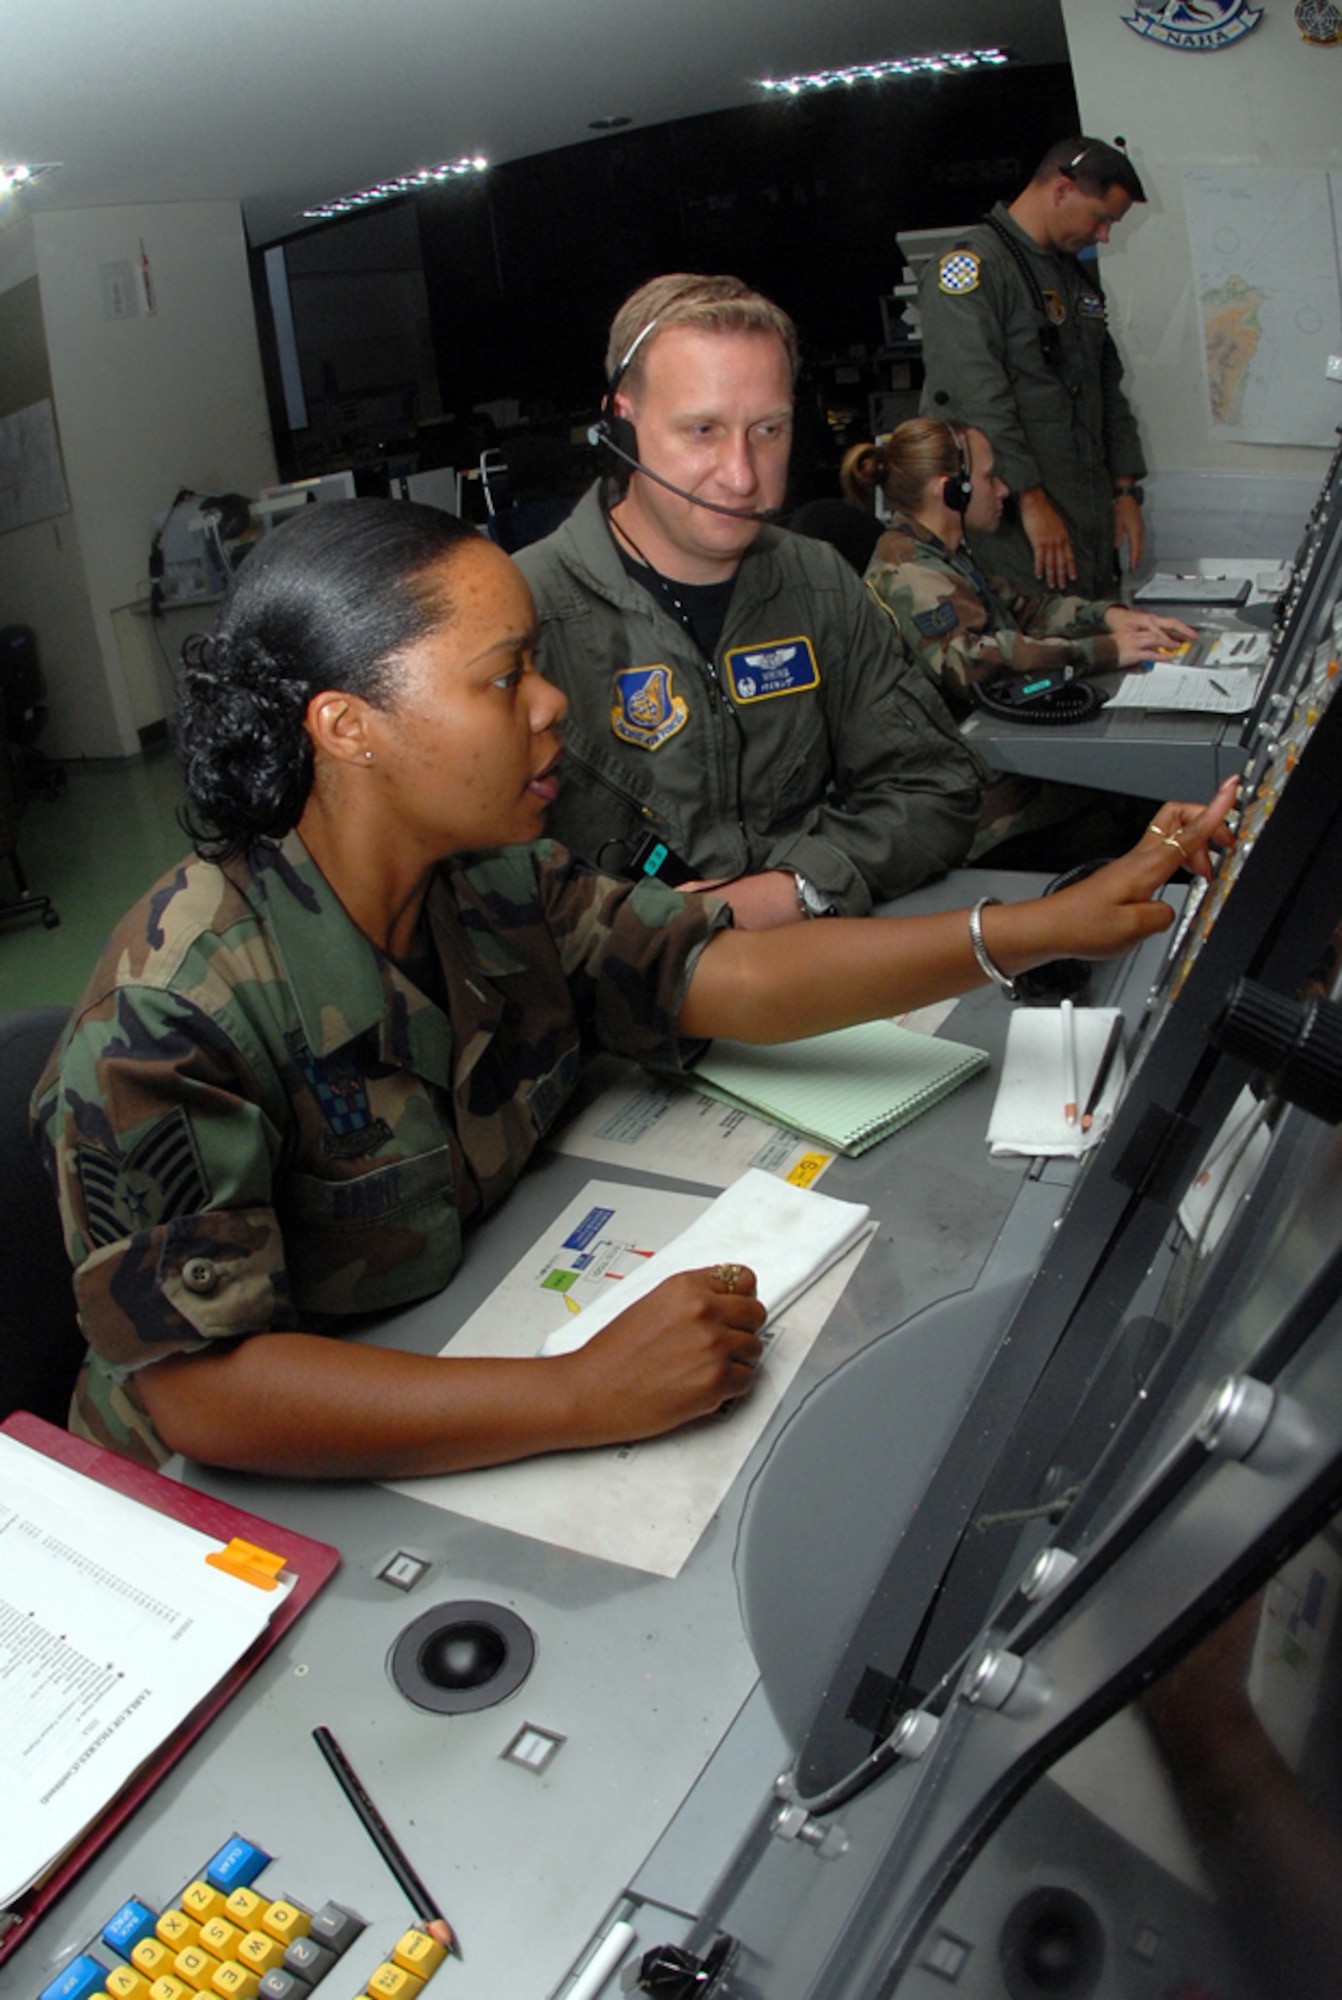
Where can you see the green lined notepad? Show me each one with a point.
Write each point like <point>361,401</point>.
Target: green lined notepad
<point>848,1089</point>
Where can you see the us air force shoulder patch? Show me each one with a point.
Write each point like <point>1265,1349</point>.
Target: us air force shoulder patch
<point>1056,308</point>
<point>940,619</point>
<point>159,1179</point>
<point>647,711</point>
<point>755,673</point>
<point>958,272</point>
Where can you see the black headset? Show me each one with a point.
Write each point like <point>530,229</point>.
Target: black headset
<point>612,432</point>
<point>958,490</point>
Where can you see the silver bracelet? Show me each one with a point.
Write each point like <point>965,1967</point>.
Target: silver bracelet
<point>986,963</point>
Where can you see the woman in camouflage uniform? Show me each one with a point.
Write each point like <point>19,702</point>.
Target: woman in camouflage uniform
<point>966,628</point>
<point>332,1038</point>
<point>939,479</point>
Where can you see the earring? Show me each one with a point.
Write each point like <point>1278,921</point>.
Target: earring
<point>367,756</point>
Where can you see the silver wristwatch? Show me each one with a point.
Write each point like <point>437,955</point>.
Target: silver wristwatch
<point>812,902</point>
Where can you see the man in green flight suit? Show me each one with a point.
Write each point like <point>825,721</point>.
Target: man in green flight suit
<point>1016,343</point>
<point>735,697</point>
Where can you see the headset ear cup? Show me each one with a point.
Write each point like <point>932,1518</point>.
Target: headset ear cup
<point>622,435</point>
<point>957,493</point>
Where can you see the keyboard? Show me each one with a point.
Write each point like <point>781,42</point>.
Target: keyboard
<point>225,1937</point>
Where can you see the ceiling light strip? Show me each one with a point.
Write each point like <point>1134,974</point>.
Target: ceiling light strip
<point>877,72</point>
<point>15,175</point>
<point>345,204</point>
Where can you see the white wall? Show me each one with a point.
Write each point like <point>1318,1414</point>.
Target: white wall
<point>42,576</point>
<point>145,406</point>
<point>1270,100</point>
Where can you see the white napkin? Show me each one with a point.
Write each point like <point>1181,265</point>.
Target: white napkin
<point>787,1235</point>
<point>1027,1115</point>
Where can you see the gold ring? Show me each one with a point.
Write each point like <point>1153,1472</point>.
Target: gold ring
<point>1170,839</point>
<point>727,1274</point>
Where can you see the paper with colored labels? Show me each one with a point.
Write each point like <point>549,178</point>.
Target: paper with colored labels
<point>644,1505</point>
<point>669,1128</point>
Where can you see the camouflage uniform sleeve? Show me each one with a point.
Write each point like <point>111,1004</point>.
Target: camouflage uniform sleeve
<point>1078,620</point>
<point>947,625</point>
<point>163,1159</point>
<point>628,950</point>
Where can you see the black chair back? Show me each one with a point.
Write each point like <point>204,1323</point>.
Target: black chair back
<point>41,1347</point>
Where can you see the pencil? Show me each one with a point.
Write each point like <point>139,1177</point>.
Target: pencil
<point>1068,1063</point>
<point>421,1902</point>
<point>1113,1042</point>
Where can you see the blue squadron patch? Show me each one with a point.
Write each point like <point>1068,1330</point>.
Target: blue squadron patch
<point>1090,305</point>
<point>757,673</point>
<point>958,272</point>
<point>648,712</point>
<point>940,619</point>
<point>341,1090</point>
<point>159,1179</point>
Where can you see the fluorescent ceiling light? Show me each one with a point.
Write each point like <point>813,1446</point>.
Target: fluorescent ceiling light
<point>15,175</point>
<point>877,72</point>
<point>345,204</point>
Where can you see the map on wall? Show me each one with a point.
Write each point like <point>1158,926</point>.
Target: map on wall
<point>32,484</point>
<point>1267,262</point>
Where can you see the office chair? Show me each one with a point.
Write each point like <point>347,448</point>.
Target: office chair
<point>851,530</point>
<point>18,707</point>
<point>41,1347</point>
<point>531,484</point>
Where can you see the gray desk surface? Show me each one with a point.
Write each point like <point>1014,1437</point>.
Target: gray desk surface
<point>642,1677</point>
<point>1150,756</point>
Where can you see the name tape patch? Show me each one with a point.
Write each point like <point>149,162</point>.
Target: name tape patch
<point>757,673</point>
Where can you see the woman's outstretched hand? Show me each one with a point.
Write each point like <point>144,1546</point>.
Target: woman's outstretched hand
<point>1112,910</point>
<point>690,1346</point>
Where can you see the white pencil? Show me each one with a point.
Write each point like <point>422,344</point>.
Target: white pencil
<point>1068,1063</point>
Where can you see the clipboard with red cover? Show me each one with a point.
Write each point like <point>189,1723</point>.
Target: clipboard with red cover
<point>311,1563</point>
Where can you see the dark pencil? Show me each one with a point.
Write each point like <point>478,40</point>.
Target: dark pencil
<point>1113,1043</point>
<point>383,1839</point>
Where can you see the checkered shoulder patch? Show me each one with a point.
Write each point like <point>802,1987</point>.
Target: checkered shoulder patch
<point>958,272</point>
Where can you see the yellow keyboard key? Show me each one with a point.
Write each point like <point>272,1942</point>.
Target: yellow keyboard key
<point>221,1938</point>
<point>195,1966</point>
<point>419,1953</point>
<point>123,1982</point>
<point>175,1928</point>
<point>393,1982</point>
<point>152,1957</point>
<point>259,1952</point>
<point>286,1921</point>
<point>170,1987</point>
<point>244,1908</point>
<point>202,1901</point>
<point>234,1981</point>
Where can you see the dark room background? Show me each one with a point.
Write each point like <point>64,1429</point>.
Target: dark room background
<point>499,293</point>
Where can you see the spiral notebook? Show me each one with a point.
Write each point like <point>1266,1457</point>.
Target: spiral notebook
<point>848,1089</point>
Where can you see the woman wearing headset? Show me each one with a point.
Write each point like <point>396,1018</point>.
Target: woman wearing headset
<point>938,477</point>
